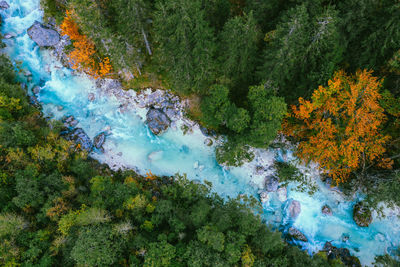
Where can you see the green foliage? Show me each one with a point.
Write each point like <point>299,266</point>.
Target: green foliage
<point>211,238</point>
<point>186,44</point>
<point>267,111</point>
<point>215,106</point>
<point>96,246</point>
<point>287,172</point>
<point>304,51</point>
<point>232,153</point>
<point>159,254</point>
<point>238,42</point>
<point>11,224</point>
<point>370,29</point>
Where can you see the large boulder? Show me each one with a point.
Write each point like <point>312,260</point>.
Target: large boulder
<point>297,235</point>
<point>80,138</point>
<point>99,140</point>
<point>294,209</point>
<point>326,210</point>
<point>208,142</point>
<point>157,121</point>
<point>271,183</point>
<point>362,215</point>
<point>4,5</point>
<point>341,253</point>
<point>42,35</point>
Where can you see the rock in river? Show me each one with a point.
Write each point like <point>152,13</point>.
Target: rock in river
<point>4,5</point>
<point>296,234</point>
<point>294,209</point>
<point>80,138</point>
<point>99,140</point>
<point>42,35</point>
<point>208,142</point>
<point>157,121</point>
<point>69,121</point>
<point>326,210</point>
<point>362,214</point>
<point>271,183</point>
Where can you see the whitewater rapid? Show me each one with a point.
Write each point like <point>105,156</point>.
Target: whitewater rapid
<point>64,92</point>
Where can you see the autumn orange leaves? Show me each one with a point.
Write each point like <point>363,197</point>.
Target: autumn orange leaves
<point>340,128</point>
<point>83,57</point>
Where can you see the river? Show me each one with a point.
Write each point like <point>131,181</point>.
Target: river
<point>130,143</point>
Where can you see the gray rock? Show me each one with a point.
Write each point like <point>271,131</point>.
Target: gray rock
<point>4,5</point>
<point>171,112</point>
<point>297,235</point>
<point>362,215</point>
<point>91,97</point>
<point>119,154</point>
<point>99,140</point>
<point>271,183</point>
<point>8,36</point>
<point>70,121</point>
<point>36,90</point>
<point>259,170</point>
<point>80,137</point>
<point>294,209</point>
<point>157,121</point>
<point>208,142</point>
<point>326,210</point>
<point>42,35</point>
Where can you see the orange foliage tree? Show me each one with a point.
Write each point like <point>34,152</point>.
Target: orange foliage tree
<point>83,56</point>
<point>340,127</point>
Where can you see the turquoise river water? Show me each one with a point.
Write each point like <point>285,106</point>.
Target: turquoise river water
<point>64,92</point>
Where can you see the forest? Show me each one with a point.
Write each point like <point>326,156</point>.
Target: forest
<point>325,74</point>
<point>60,208</point>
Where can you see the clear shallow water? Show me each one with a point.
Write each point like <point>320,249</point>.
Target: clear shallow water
<point>66,93</point>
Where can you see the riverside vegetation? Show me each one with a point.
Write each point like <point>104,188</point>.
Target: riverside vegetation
<point>336,64</point>
<point>59,208</point>
<point>242,63</point>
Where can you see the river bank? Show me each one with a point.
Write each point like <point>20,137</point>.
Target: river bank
<point>100,106</point>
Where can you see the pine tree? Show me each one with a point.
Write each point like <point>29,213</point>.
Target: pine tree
<point>186,44</point>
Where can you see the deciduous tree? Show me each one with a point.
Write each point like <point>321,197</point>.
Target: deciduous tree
<point>340,128</point>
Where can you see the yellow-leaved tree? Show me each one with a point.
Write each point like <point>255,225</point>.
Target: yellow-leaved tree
<point>83,56</point>
<point>340,128</point>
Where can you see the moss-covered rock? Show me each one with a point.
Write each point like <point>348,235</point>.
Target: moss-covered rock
<point>362,215</point>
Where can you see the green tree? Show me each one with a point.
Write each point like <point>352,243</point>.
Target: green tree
<point>215,106</point>
<point>238,48</point>
<point>267,110</point>
<point>370,30</point>
<point>303,52</point>
<point>159,254</point>
<point>186,44</point>
<point>96,246</point>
